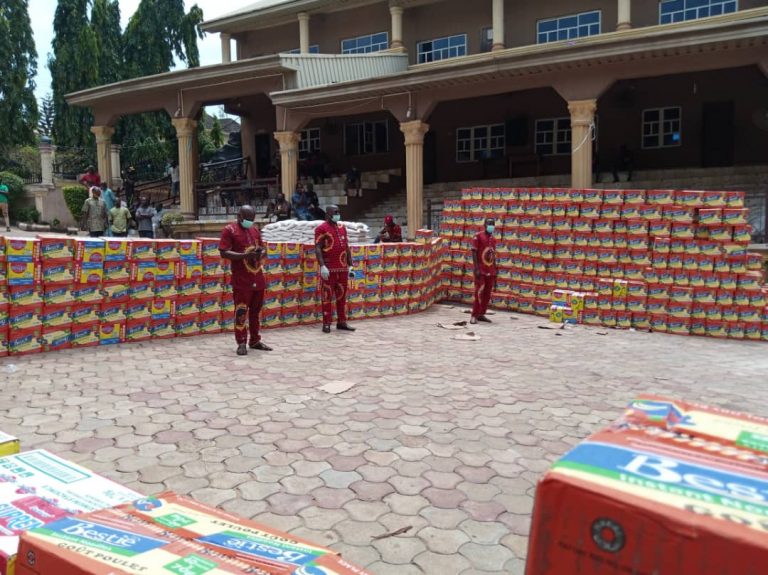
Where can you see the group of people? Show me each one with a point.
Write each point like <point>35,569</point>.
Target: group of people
<point>105,213</point>
<point>241,243</point>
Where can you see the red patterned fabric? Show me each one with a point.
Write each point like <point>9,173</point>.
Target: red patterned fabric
<point>248,302</point>
<point>485,246</point>
<point>334,291</point>
<point>332,239</point>
<point>483,288</point>
<point>245,274</point>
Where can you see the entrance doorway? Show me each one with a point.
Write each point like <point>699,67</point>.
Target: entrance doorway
<point>263,155</point>
<point>718,134</point>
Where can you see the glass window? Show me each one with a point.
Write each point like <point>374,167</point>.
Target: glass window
<point>662,128</point>
<point>553,136</point>
<point>313,49</point>
<point>568,27</point>
<point>310,142</point>
<point>366,138</point>
<point>442,48</point>
<point>480,143</point>
<point>671,11</point>
<point>366,44</point>
<point>486,39</point>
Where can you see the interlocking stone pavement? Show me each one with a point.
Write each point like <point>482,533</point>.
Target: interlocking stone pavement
<point>444,437</point>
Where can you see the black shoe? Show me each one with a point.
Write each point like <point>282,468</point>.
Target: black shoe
<point>344,327</point>
<point>260,346</point>
<point>326,329</point>
<point>242,349</point>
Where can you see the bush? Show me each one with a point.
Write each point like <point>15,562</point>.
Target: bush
<point>75,197</point>
<point>28,216</point>
<point>15,191</point>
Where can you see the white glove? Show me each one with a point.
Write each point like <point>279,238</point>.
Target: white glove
<point>351,273</point>
<point>325,273</point>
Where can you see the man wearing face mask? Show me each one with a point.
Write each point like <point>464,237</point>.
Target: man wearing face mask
<point>484,259</point>
<point>241,243</point>
<point>333,255</point>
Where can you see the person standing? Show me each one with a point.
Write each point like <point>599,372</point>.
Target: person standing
<point>353,183</point>
<point>173,172</point>
<point>333,255</point>
<point>95,219</point>
<point>129,184</point>
<point>484,260</point>
<point>120,218</point>
<point>5,206</point>
<point>144,215</point>
<point>109,199</point>
<point>90,178</point>
<point>241,244</point>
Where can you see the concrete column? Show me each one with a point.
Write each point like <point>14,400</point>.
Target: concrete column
<point>498,26</point>
<point>396,41</point>
<point>226,48</point>
<point>46,161</point>
<point>186,135</point>
<point>116,168</point>
<point>414,172</point>
<point>289,161</point>
<point>625,15</point>
<point>103,142</point>
<point>582,120</point>
<point>304,33</point>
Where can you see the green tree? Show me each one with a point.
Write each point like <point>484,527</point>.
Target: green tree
<point>74,66</point>
<point>18,67</point>
<point>105,22</point>
<point>216,133</point>
<point>45,124</point>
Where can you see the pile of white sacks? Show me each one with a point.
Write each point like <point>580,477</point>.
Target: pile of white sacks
<point>304,232</point>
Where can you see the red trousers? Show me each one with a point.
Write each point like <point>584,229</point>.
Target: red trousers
<point>248,304</point>
<point>334,289</point>
<point>483,288</point>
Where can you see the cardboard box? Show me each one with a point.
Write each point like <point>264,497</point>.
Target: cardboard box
<point>116,249</point>
<point>141,250</point>
<point>110,542</point>
<point>85,335</point>
<point>116,271</point>
<point>22,249</point>
<point>57,272</point>
<point>111,333</point>
<point>616,504</point>
<point>21,272</point>
<point>40,487</point>
<point>137,329</point>
<point>9,445</point>
<point>90,250</point>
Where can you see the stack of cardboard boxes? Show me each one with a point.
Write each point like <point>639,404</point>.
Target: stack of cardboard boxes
<point>670,261</point>
<point>58,292</point>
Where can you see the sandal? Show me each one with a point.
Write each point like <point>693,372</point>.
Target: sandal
<point>260,346</point>
<point>242,349</point>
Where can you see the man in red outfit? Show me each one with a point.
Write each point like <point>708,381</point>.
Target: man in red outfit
<point>241,243</point>
<point>484,259</point>
<point>391,233</point>
<point>333,255</point>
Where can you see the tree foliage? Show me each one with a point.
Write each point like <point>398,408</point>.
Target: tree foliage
<point>18,67</point>
<point>74,67</point>
<point>216,133</point>
<point>45,123</point>
<point>105,22</point>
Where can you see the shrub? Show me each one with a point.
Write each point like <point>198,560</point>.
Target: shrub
<point>28,216</point>
<point>75,197</point>
<point>15,191</point>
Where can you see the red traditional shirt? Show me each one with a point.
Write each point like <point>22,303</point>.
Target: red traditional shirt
<point>332,239</point>
<point>245,274</point>
<point>91,180</point>
<point>485,246</point>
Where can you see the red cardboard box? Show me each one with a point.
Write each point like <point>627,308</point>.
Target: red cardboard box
<point>621,504</point>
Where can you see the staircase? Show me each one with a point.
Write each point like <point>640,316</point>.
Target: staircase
<point>742,178</point>
<point>377,187</point>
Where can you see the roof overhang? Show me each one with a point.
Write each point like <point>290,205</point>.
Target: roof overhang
<point>624,54</point>
<point>270,13</point>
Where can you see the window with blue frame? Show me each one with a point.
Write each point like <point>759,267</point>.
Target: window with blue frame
<point>366,44</point>
<point>442,48</point>
<point>313,49</point>
<point>671,11</point>
<point>568,27</point>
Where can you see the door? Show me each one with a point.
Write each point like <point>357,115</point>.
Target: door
<point>263,155</point>
<point>718,134</point>
<point>430,158</point>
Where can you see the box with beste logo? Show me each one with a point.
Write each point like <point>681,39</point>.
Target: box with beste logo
<point>624,501</point>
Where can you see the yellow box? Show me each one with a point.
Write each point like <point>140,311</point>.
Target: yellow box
<point>9,445</point>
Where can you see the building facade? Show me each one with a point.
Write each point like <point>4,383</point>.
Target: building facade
<point>455,91</point>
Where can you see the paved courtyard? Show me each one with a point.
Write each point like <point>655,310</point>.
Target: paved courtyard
<point>439,440</point>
